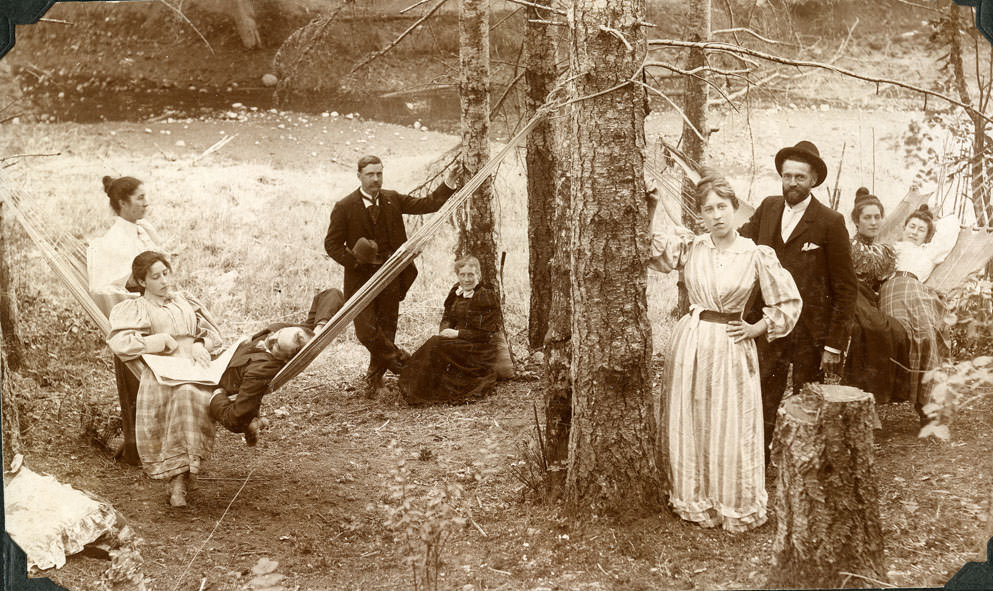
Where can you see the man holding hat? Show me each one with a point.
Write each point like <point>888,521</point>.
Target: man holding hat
<point>366,228</point>
<point>812,244</point>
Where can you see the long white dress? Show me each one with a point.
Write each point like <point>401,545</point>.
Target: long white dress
<point>709,411</point>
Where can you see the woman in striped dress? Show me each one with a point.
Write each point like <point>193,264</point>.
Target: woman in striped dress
<point>925,244</point>
<point>709,411</point>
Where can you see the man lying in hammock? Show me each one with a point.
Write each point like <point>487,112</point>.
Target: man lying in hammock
<point>259,359</point>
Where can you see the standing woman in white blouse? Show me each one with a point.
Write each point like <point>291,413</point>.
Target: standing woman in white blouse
<point>108,266</point>
<point>904,296</point>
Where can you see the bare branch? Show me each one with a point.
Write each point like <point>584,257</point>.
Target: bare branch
<point>617,34</point>
<point>695,73</point>
<point>539,7</point>
<point>6,158</point>
<point>409,30</point>
<point>414,5</point>
<point>752,33</point>
<point>54,20</point>
<point>841,48</point>
<point>735,49</point>
<point>539,21</point>
<point>916,5</point>
<point>674,106</point>
<point>194,27</point>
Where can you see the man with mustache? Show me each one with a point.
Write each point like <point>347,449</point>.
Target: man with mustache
<point>812,243</point>
<point>366,228</point>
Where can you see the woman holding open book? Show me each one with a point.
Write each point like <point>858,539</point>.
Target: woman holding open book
<point>173,427</point>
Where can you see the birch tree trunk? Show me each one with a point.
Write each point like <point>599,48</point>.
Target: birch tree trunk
<point>478,237</point>
<point>542,171</point>
<point>611,440</point>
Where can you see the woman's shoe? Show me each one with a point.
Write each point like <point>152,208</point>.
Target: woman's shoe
<point>177,491</point>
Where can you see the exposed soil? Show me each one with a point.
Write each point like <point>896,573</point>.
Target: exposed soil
<point>311,496</point>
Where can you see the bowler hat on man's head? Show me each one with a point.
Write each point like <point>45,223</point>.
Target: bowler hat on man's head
<point>803,151</point>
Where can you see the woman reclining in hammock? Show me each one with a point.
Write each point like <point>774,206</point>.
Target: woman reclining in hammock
<point>925,244</point>
<point>259,359</point>
<point>173,428</point>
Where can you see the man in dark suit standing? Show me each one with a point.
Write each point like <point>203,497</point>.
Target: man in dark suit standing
<point>812,244</point>
<point>366,228</point>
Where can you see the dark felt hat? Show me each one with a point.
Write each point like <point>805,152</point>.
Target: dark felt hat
<point>366,251</point>
<point>803,151</point>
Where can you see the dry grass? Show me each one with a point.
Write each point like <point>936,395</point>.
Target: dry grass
<point>248,235</point>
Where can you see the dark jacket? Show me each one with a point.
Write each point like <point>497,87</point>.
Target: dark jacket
<point>818,255</point>
<point>483,320</point>
<point>350,221</point>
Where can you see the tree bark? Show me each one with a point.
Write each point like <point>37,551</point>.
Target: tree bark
<point>611,440</point>
<point>542,171</point>
<point>8,305</point>
<point>478,237</point>
<point>827,502</point>
<point>557,379</point>
<point>695,96</point>
<point>9,415</point>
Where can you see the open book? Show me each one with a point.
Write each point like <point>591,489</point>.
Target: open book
<point>172,371</point>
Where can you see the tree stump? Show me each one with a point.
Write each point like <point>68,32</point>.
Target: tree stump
<point>826,502</point>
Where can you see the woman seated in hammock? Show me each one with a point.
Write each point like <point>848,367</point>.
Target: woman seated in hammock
<point>879,344</point>
<point>173,427</point>
<point>904,296</point>
<point>108,266</point>
<point>456,365</point>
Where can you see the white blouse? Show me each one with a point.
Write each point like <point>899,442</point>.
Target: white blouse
<point>921,260</point>
<point>109,257</point>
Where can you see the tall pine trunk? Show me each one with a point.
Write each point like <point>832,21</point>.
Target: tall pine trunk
<point>695,95</point>
<point>478,237</point>
<point>611,440</point>
<point>542,171</point>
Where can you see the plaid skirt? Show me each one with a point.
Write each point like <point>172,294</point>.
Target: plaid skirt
<point>920,311</point>
<point>173,427</point>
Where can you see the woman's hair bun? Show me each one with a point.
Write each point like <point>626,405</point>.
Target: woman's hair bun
<point>107,182</point>
<point>924,208</point>
<point>861,192</point>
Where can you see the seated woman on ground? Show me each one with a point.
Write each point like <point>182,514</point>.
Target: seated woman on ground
<point>904,296</point>
<point>173,428</point>
<point>879,343</point>
<point>456,365</point>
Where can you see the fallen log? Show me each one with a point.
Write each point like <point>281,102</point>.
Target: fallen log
<point>828,531</point>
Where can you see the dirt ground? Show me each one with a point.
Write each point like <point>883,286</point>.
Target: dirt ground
<point>312,495</point>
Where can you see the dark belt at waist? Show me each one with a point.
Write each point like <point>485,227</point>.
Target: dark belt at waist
<point>719,317</point>
<point>905,274</point>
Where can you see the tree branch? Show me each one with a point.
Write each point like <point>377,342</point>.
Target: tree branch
<point>738,50</point>
<point>674,106</point>
<point>195,29</point>
<point>539,7</point>
<point>409,30</point>
<point>753,34</point>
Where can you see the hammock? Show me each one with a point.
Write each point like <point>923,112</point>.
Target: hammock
<point>66,255</point>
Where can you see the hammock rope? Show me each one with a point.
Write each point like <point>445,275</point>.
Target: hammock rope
<point>399,260</point>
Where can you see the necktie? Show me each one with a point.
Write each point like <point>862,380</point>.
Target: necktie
<point>374,212</point>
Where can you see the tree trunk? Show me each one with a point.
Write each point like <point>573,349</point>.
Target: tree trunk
<point>611,440</point>
<point>827,503</point>
<point>8,305</point>
<point>477,238</point>
<point>695,95</point>
<point>557,379</point>
<point>542,171</point>
<point>244,19</point>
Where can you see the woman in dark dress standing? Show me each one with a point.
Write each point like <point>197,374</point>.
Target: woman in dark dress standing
<point>456,365</point>
<point>879,343</point>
